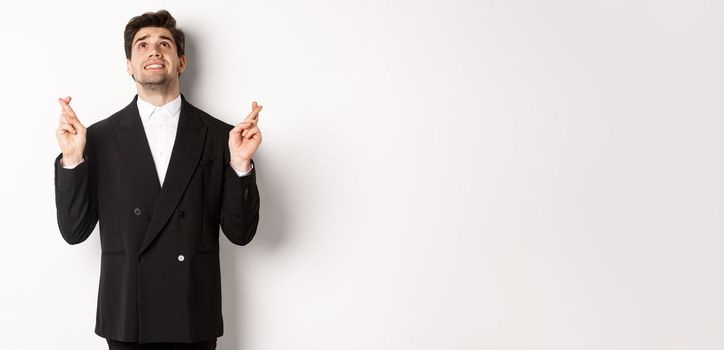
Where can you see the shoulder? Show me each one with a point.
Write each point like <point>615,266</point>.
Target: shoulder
<point>106,125</point>
<point>214,124</point>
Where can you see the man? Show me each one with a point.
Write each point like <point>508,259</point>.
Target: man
<point>159,176</point>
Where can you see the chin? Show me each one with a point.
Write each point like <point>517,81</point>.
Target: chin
<point>155,80</point>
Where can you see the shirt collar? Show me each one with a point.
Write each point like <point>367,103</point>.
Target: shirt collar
<point>146,109</point>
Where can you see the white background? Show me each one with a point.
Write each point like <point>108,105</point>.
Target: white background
<point>434,174</point>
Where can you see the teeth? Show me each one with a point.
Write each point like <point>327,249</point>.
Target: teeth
<point>154,66</point>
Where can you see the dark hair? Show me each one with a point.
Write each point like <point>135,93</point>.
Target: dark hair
<point>162,19</point>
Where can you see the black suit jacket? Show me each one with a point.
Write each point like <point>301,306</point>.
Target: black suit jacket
<point>160,275</point>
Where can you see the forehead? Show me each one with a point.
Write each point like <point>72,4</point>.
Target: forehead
<point>153,33</point>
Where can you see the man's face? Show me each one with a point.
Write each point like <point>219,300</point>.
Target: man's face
<point>154,59</point>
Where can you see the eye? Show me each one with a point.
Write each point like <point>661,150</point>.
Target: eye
<point>164,44</point>
<point>142,45</point>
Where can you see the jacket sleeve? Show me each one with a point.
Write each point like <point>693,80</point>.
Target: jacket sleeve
<point>239,205</point>
<point>76,200</point>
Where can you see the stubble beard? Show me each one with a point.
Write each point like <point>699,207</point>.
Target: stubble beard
<point>155,85</point>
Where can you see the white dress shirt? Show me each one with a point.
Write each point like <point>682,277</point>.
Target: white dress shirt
<point>160,125</point>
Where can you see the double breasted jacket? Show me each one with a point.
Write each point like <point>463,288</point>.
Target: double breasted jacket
<point>160,277</point>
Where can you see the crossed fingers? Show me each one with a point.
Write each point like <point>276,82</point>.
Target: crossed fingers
<point>68,120</point>
<point>249,124</point>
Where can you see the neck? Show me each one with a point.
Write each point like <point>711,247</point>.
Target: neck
<point>158,95</point>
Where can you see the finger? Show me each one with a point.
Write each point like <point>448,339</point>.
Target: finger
<point>254,107</point>
<point>68,127</point>
<point>238,128</point>
<point>76,123</point>
<point>64,118</point>
<point>63,101</point>
<point>70,120</point>
<point>246,131</point>
<point>251,116</point>
<point>243,126</point>
<point>63,130</point>
<point>254,113</point>
<point>66,107</point>
<point>251,133</point>
<point>256,136</point>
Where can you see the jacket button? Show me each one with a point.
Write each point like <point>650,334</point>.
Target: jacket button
<point>183,214</point>
<point>137,211</point>
<point>180,257</point>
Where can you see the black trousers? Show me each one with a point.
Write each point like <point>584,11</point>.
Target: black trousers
<point>202,345</point>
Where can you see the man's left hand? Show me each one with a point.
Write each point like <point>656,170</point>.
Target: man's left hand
<point>244,140</point>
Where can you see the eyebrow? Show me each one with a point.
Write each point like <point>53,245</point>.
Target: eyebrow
<point>146,37</point>
<point>141,38</point>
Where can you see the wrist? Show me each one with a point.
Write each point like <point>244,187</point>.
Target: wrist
<point>70,159</point>
<point>243,165</point>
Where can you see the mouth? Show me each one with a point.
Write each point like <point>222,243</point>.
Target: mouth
<point>154,66</point>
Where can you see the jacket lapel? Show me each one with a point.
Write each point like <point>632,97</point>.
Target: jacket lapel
<point>136,155</point>
<point>185,156</point>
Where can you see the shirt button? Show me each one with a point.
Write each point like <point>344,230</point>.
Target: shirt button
<point>183,214</point>
<point>180,257</point>
<point>137,211</point>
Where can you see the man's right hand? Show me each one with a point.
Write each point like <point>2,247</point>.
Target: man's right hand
<point>71,134</point>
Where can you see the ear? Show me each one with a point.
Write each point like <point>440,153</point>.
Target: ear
<point>181,64</point>
<point>129,67</point>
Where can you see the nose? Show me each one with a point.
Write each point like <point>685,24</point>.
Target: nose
<point>154,52</point>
